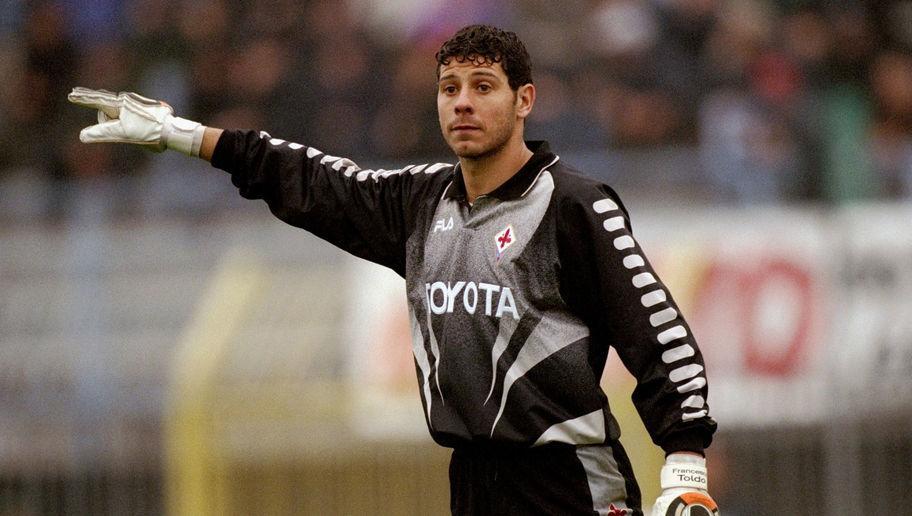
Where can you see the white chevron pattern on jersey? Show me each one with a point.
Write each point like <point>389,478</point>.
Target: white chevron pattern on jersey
<point>350,166</point>
<point>423,363</point>
<point>435,349</point>
<point>662,315</point>
<point>606,483</point>
<point>508,325</point>
<point>554,332</point>
<point>586,429</point>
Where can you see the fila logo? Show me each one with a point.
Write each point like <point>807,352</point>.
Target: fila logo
<point>443,225</point>
<point>503,240</point>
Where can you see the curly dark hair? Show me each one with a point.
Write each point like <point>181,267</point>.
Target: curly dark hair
<point>490,44</point>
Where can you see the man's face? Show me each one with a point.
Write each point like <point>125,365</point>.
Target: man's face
<point>478,110</point>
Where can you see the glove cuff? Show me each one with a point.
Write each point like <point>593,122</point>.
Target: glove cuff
<point>182,135</point>
<point>684,471</point>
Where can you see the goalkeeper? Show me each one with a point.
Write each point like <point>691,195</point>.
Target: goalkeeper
<point>520,273</point>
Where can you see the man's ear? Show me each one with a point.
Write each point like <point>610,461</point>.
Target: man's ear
<point>525,99</point>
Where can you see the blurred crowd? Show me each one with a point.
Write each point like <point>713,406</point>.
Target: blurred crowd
<point>782,100</point>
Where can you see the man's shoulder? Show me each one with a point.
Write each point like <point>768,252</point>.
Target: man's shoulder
<point>567,177</point>
<point>574,189</point>
<point>430,180</point>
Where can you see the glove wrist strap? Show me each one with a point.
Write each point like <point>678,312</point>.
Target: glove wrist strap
<point>684,475</point>
<point>182,135</point>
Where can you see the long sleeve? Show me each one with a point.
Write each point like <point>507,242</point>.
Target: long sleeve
<point>608,280</point>
<point>365,212</point>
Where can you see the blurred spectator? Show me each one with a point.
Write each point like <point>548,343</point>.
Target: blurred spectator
<point>899,15</point>
<point>623,27</point>
<point>891,132</point>
<point>786,101</point>
<point>560,115</point>
<point>94,22</point>
<point>406,122</point>
<point>11,12</point>
<point>749,153</point>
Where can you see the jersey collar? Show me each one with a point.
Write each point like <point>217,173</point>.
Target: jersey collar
<point>518,184</point>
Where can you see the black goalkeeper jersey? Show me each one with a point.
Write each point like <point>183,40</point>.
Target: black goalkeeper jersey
<point>514,300</point>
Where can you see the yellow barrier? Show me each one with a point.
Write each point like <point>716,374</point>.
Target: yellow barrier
<point>194,475</point>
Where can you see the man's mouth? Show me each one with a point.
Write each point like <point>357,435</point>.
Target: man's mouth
<point>464,127</point>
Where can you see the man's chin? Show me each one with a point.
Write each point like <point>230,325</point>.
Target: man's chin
<point>470,154</point>
<point>468,151</point>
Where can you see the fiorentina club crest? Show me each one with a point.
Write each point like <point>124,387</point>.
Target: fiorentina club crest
<point>503,240</point>
<point>617,511</point>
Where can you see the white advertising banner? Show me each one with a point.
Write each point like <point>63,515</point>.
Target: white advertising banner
<point>872,325</point>
<point>755,287</point>
<point>381,365</point>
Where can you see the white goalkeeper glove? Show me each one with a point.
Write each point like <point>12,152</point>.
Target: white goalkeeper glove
<point>130,118</point>
<point>683,480</point>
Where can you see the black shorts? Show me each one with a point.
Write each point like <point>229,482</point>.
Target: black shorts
<point>550,479</point>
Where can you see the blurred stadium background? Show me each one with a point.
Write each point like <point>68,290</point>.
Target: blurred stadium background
<point>166,347</point>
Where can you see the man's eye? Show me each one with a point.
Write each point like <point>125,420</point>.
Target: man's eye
<point>449,89</point>
<point>484,88</point>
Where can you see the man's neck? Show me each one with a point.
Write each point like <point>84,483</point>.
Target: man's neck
<point>484,175</point>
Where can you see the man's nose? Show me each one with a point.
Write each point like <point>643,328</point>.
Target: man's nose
<point>464,103</point>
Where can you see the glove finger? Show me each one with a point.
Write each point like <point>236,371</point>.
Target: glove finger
<point>101,100</point>
<point>149,109</point>
<point>146,101</point>
<point>110,131</point>
<point>92,98</point>
<point>79,90</point>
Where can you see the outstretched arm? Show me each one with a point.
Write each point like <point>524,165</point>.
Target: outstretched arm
<point>368,213</point>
